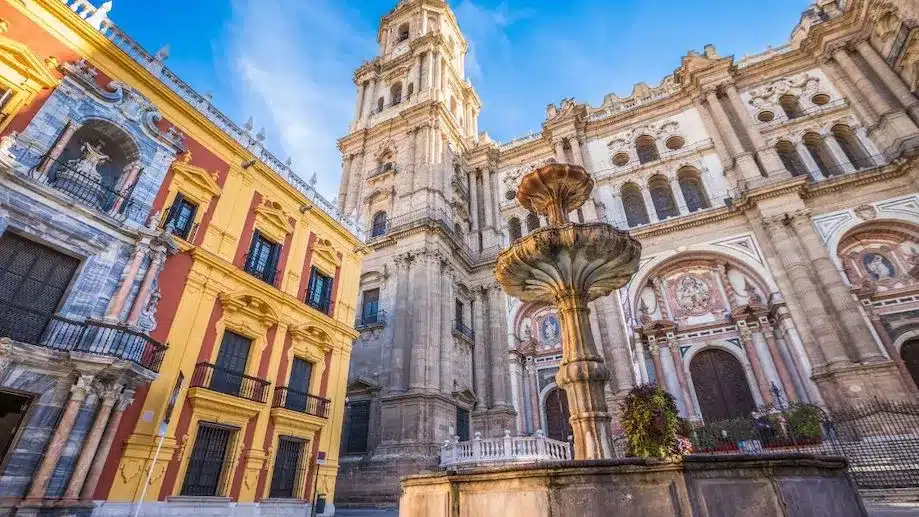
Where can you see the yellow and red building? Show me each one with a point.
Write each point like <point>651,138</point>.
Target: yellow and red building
<point>253,294</point>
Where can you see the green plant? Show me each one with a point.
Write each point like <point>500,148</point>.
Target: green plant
<point>805,421</point>
<point>650,420</point>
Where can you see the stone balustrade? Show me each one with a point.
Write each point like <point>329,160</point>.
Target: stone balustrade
<point>509,449</point>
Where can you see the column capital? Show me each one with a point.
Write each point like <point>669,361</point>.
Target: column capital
<point>774,222</point>
<point>110,393</point>
<point>82,387</point>
<point>798,217</point>
<point>125,400</point>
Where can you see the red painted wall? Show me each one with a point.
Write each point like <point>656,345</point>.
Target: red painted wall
<point>245,239</point>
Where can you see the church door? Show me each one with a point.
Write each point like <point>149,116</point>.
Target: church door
<point>557,425</point>
<point>910,354</point>
<point>721,386</point>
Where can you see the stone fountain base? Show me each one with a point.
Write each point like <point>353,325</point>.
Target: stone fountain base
<point>788,485</point>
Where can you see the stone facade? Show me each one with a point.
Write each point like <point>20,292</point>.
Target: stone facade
<point>774,196</point>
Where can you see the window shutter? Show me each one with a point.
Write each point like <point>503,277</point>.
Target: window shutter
<point>173,210</point>
<point>253,247</point>
<point>273,257</point>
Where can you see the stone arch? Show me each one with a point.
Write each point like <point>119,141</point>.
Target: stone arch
<point>514,229</point>
<point>788,153</point>
<point>552,394</point>
<point>395,93</point>
<point>851,146</point>
<point>379,224</point>
<point>633,203</point>
<point>646,149</point>
<point>662,196</point>
<point>821,154</point>
<point>791,105</point>
<point>532,221</point>
<point>120,148</point>
<point>857,231</point>
<point>690,181</point>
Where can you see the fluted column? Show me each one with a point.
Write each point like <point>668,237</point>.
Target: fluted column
<point>480,355</point>
<point>681,376</point>
<point>576,151</point>
<point>497,316</point>
<point>863,345</point>
<point>851,93</point>
<point>559,145</point>
<point>830,349</point>
<point>55,448</point>
<point>109,396</point>
<point>146,287</point>
<point>862,83</point>
<point>105,446</point>
<point>888,77</point>
<point>401,331</point>
<point>762,383</point>
<point>421,320</point>
<point>768,156</point>
<point>745,164</point>
<point>780,367</point>
<point>116,305</point>
<point>488,199</point>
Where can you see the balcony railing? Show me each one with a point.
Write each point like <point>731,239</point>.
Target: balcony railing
<point>322,305</point>
<point>463,330</point>
<point>371,319</point>
<point>383,169</point>
<point>168,224</point>
<point>395,102</point>
<point>269,276</point>
<point>509,449</point>
<point>60,333</point>
<point>217,379</point>
<point>299,401</point>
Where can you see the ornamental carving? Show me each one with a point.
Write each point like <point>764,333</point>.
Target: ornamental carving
<point>693,295</point>
<point>799,86</point>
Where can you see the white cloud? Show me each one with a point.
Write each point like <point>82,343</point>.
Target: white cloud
<point>294,61</point>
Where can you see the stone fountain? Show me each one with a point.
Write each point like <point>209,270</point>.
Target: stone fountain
<point>568,265</point>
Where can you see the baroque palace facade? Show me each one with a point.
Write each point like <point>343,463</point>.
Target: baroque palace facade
<point>775,197</point>
<point>176,306</point>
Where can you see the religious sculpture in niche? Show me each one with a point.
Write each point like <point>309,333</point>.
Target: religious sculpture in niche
<point>693,295</point>
<point>87,165</point>
<point>878,267</point>
<point>550,330</point>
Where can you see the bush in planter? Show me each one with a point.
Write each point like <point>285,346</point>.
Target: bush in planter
<point>805,422</point>
<point>650,421</point>
<point>724,435</point>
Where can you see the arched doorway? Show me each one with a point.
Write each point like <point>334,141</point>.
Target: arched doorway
<point>910,354</point>
<point>557,425</point>
<point>721,386</point>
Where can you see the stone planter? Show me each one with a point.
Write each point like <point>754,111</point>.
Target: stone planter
<point>779,485</point>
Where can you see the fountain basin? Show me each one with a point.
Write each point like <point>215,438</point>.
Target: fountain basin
<point>780,485</point>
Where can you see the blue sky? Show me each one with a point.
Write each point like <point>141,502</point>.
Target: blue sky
<point>289,63</point>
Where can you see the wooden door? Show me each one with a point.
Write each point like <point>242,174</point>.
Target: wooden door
<point>721,386</point>
<point>558,426</point>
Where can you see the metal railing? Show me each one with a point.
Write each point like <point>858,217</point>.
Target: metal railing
<point>269,276</point>
<point>302,402</point>
<point>371,319</point>
<point>322,305</point>
<point>383,169</point>
<point>65,334</point>
<point>214,378</point>
<point>462,329</point>
<point>395,102</point>
<point>509,449</point>
<point>186,234</point>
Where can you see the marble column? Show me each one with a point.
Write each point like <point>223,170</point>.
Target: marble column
<point>105,445</point>
<point>401,331</point>
<point>890,78</point>
<point>618,343</point>
<point>762,383</point>
<point>843,164</point>
<point>116,305</point>
<point>497,316</point>
<point>780,367</point>
<point>576,150</point>
<point>421,320</point>
<point>767,155</point>
<point>812,168</point>
<point>480,356</point>
<point>721,270</point>
<point>559,145</point>
<point>830,349</point>
<point>109,396</point>
<point>681,377</point>
<point>535,420</point>
<point>657,284</point>
<point>58,148</point>
<point>146,287</point>
<point>447,324</point>
<point>863,345</point>
<point>55,448</point>
<point>745,163</point>
<point>659,377</point>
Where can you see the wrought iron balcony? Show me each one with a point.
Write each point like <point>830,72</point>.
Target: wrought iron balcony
<point>217,379</point>
<point>301,402</point>
<point>322,305</point>
<point>59,333</point>
<point>371,319</point>
<point>267,275</point>
<point>383,169</point>
<point>463,330</point>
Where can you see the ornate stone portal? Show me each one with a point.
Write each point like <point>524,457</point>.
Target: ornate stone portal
<point>569,265</point>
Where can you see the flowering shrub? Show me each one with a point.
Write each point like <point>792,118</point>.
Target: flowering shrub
<point>650,421</point>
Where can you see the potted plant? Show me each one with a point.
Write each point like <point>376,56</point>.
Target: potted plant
<point>650,421</point>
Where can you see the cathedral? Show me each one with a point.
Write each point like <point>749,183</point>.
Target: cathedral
<point>775,198</point>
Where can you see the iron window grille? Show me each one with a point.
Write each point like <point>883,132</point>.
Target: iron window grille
<point>180,218</point>
<point>208,474</point>
<point>262,259</point>
<point>319,292</point>
<point>289,477</point>
<point>357,426</point>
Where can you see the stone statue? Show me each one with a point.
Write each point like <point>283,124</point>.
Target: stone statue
<point>878,266</point>
<point>527,330</point>
<point>753,298</point>
<point>148,315</point>
<point>100,15</point>
<point>88,163</point>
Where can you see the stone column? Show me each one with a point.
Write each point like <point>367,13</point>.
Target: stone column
<point>116,305</point>
<point>55,448</point>
<point>401,323</point>
<point>745,164</point>
<point>559,145</point>
<point>345,178</point>
<point>862,83</point>
<point>480,357</point>
<point>642,362</point>
<point>721,271</point>
<point>535,420</point>
<point>370,101</point>
<point>681,376</point>
<point>855,97</point>
<point>847,314</point>
<point>780,367</point>
<point>842,161</point>
<point>146,288</point>
<point>109,397</point>
<point>809,162</point>
<point>830,349</point>
<point>105,446</point>
<point>359,103</point>
<point>55,152</point>
<point>446,341</point>
<point>888,77</point>
<point>421,320</point>
<point>724,155</point>
<point>651,209</point>
<point>357,166</point>
<point>660,378</point>
<point>487,195</point>
<point>681,205</point>
<point>618,344</point>
<point>474,200</point>
<point>657,284</point>
<point>762,383</point>
<point>768,156</point>
<point>576,151</point>
<point>497,315</point>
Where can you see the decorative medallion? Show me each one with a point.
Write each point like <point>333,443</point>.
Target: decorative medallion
<point>878,267</point>
<point>693,295</point>
<point>550,330</point>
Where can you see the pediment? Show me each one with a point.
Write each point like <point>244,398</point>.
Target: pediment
<point>273,220</point>
<point>361,385</point>
<point>196,182</point>
<point>250,305</point>
<point>466,396</point>
<point>658,328</point>
<point>328,258</point>
<point>26,62</point>
<point>310,334</point>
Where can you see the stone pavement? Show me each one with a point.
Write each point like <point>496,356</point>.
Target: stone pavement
<point>873,511</point>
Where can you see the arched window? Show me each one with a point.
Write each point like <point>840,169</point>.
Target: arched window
<point>646,149</point>
<point>403,33</point>
<point>693,189</point>
<point>790,106</point>
<point>532,222</point>
<point>820,153</point>
<point>851,146</point>
<point>662,197</point>
<point>790,158</point>
<point>909,351</point>
<point>395,93</point>
<point>380,103</point>
<point>378,228</point>
<point>558,425</point>
<point>410,91</point>
<point>634,204</point>
<point>513,229</point>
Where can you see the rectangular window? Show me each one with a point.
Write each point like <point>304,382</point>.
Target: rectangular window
<point>462,424</point>
<point>357,426</point>
<point>370,310</point>
<point>458,316</point>
<point>205,475</point>
<point>13,407</point>
<point>298,386</point>
<point>181,217</point>
<point>319,292</point>
<point>287,480</point>
<point>231,364</point>
<point>262,260</point>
